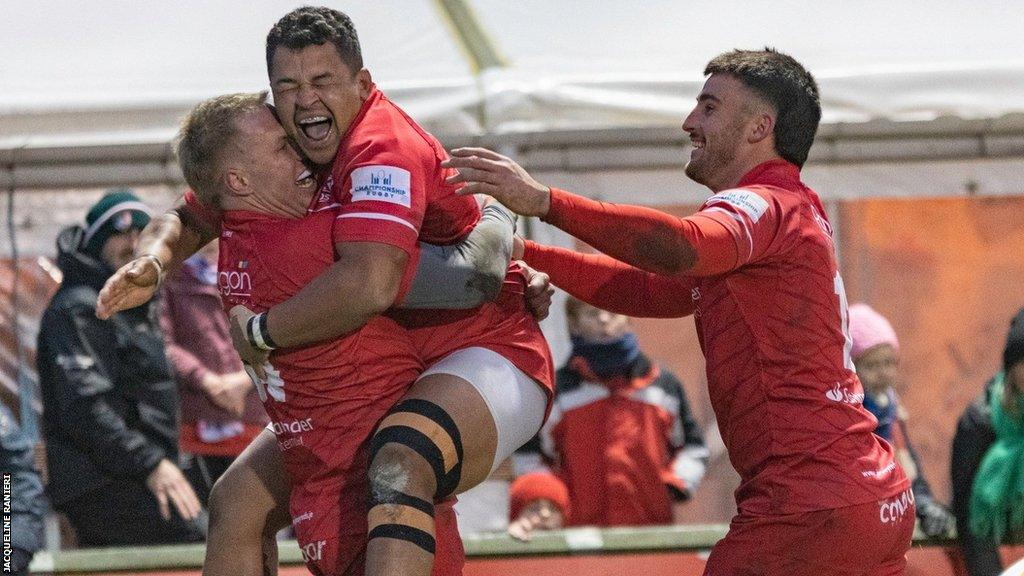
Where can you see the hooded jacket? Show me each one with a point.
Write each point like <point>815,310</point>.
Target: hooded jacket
<point>109,399</point>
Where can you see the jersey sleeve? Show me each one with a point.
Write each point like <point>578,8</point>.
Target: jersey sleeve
<point>646,238</point>
<point>611,285</point>
<point>753,219</point>
<point>386,200</point>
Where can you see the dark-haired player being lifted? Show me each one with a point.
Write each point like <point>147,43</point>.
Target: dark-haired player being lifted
<point>756,266</point>
<point>489,375</point>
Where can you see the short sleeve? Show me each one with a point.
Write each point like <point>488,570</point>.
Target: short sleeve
<point>752,217</point>
<point>385,202</point>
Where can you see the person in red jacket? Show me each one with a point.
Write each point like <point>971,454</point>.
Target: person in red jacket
<point>620,448</point>
<point>756,266</point>
<point>220,411</point>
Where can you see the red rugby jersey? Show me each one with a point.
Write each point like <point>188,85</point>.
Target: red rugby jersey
<point>323,398</point>
<point>388,185</point>
<point>770,310</point>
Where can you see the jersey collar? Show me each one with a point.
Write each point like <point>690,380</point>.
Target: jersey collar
<point>777,172</point>
<point>374,97</point>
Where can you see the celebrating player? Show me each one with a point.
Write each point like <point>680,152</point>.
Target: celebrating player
<point>489,376</point>
<point>756,266</point>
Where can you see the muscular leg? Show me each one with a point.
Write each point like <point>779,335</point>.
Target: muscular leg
<point>248,505</point>
<point>441,439</point>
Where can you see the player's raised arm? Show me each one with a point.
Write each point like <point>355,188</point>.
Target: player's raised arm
<point>643,237</point>
<point>165,242</point>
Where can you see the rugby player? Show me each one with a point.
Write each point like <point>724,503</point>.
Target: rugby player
<point>756,266</point>
<point>457,422</point>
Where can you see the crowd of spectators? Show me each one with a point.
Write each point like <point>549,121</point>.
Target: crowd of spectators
<point>143,412</point>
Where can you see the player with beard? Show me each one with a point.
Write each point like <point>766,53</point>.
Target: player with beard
<point>756,266</point>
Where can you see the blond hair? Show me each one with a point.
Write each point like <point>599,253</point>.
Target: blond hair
<point>205,133</point>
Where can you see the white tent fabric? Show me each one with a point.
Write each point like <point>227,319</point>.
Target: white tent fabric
<point>570,65</point>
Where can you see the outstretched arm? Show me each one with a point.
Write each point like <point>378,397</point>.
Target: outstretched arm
<point>611,285</point>
<point>165,242</point>
<point>698,245</point>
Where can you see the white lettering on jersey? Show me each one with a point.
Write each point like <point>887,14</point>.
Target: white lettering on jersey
<point>273,385</point>
<point>844,319</point>
<point>382,184</point>
<point>314,551</point>
<point>745,201</point>
<point>895,509</point>
<point>235,283</point>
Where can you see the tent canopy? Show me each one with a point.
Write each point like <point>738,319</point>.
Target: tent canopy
<point>107,81</point>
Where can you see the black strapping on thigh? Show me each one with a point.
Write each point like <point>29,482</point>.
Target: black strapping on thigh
<point>406,533</point>
<point>422,444</point>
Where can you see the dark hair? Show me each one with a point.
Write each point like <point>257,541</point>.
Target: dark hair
<point>787,86</point>
<point>312,26</point>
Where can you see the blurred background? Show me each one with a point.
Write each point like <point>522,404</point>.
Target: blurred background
<point>919,159</point>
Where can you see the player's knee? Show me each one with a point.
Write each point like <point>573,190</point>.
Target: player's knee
<point>402,486</point>
<point>417,438</point>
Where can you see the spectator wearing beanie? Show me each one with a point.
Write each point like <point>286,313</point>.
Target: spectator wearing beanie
<point>988,462</point>
<point>540,497</point>
<point>620,447</point>
<point>109,401</point>
<point>875,354</point>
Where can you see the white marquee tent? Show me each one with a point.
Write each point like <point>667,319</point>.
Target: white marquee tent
<point>586,93</point>
<point>921,97</point>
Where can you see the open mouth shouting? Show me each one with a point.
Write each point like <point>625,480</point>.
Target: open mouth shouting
<point>317,136</point>
<point>316,128</point>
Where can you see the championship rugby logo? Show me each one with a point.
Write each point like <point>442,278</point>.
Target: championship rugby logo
<point>382,184</point>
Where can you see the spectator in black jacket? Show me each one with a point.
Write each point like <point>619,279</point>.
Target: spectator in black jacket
<point>988,460</point>
<point>28,506</point>
<point>110,401</point>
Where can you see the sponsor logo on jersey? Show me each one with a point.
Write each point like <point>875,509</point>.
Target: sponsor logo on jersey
<point>293,427</point>
<point>840,393</point>
<point>289,443</point>
<point>235,282</point>
<point>884,471</point>
<point>382,184</point>
<point>302,518</point>
<point>314,551</point>
<point>895,509</point>
<point>745,201</point>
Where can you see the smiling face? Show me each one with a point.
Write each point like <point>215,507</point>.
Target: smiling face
<point>728,133</point>
<point>317,97</point>
<point>262,163</point>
